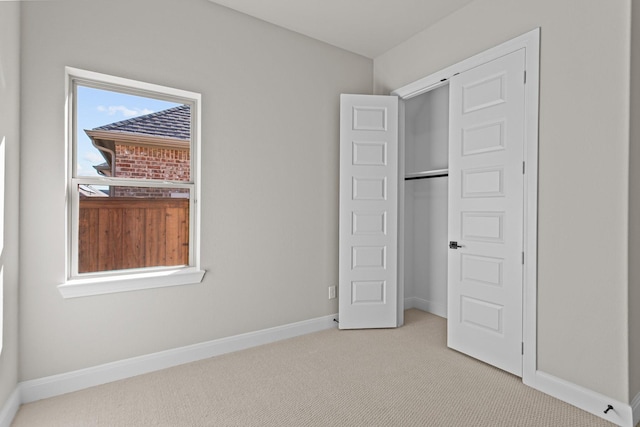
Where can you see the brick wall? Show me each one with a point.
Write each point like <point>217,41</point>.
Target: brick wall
<point>151,163</point>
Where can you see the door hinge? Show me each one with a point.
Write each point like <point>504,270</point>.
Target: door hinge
<point>525,77</point>
<point>522,348</point>
<point>522,168</point>
<point>522,258</point>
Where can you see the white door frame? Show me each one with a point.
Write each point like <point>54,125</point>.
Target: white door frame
<point>531,43</point>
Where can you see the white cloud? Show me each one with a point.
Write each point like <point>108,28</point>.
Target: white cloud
<point>93,157</point>
<point>86,170</point>
<point>125,111</point>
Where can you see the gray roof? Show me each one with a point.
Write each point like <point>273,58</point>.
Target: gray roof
<point>172,123</point>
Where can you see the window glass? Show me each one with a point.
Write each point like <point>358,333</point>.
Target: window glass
<point>132,227</point>
<point>149,138</point>
<point>132,180</point>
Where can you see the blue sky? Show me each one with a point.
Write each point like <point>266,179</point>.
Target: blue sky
<point>97,107</point>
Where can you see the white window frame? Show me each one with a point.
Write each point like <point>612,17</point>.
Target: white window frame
<point>105,282</point>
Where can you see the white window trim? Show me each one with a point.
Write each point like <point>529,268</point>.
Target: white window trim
<point>89,284</point>
<point>130,282</point>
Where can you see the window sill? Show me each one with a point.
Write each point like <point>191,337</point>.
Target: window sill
<point>75,288</point>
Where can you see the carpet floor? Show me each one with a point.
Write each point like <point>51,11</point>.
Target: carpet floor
<point>392,377</point>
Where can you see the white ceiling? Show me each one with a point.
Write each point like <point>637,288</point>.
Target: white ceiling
<point>365,27</point>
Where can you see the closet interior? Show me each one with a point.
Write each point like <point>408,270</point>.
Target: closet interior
<point>426,143</point>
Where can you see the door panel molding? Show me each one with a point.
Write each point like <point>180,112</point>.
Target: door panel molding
<point>368,212</point>
<point>530,42</point>
<point>484,298</point>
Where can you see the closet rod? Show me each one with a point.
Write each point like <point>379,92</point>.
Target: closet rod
<point>427,174</point>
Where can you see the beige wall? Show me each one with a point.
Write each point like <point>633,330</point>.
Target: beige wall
<point>270,176</point>
<point>9,175</point>
<point>269,170</point>
<point>634,208</point>
<point>583,167</point>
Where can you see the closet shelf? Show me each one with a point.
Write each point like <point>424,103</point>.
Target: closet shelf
<point>427,174</point>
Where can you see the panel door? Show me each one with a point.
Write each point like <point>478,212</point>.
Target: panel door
<point>486,152</point>
<point>368,211</point>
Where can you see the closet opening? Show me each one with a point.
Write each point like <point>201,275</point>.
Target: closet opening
<point>423,199</point>
<point>438,205</point>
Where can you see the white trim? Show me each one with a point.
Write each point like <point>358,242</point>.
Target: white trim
<point>30,391</point>
<point>85,284</point>
<point>408,303</point>
<point>530,274</point>
<point>10,408</point>
<point>585,399</point>
<point>402,305</point>
<point>129,282</point>
<point>439,309</point>
<point>55,385</point>
<point>110,82</point>
<point>128,182</point>
<point>439,78</point>
<point>530,42</point>
<point>635,409</point>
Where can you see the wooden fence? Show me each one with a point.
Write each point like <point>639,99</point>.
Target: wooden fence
<point>123,232</point>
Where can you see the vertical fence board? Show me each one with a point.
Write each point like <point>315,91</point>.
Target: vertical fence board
<point>156,234</point>
<point>173,230</point>
<point>183,235</point>
<point>133,238</point>
<point>121,232</point>
<point>178,228</point>
<point>88,240</point>
<point>110,239</point>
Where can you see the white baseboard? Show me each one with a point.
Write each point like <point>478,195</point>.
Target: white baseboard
<point>439,309</point>
<point>585,399</point>
<point>635,409</point>
<point>623,414</point>
<point>10,408</point>
<point>55,385</point>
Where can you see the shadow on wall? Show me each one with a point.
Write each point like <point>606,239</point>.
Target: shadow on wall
<point>2,179</point>
<point>3,85</point>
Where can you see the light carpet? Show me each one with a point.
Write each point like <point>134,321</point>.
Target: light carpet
<point>392,377</point>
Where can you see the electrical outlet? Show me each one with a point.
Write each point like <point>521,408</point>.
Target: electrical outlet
<point>332,292</point>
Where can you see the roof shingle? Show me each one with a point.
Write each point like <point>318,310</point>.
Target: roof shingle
<point>172,123</point>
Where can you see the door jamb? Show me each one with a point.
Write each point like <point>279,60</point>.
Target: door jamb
<point>400,219</point>
<point>530,42</point>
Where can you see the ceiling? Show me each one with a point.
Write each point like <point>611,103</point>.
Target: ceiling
<point>365,27</point>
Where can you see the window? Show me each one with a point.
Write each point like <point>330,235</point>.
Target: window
<point>132,209</point>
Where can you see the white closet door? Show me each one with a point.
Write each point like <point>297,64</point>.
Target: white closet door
<point>368,211</point>
<point>486,149</point>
